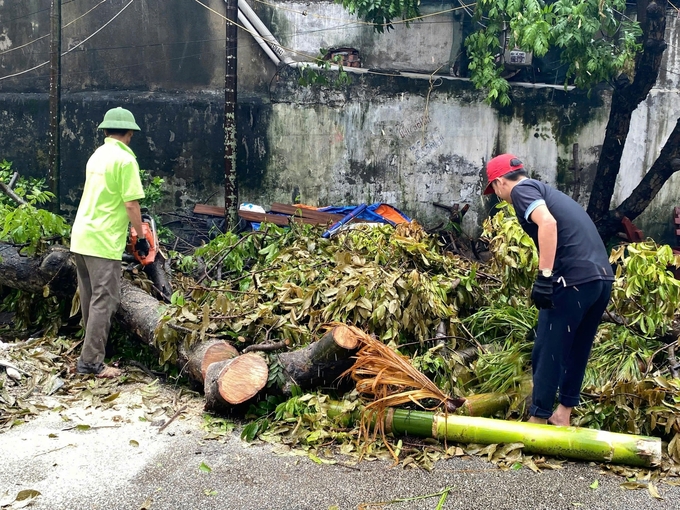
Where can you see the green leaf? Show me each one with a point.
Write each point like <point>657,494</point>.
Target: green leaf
<point>205,468</point>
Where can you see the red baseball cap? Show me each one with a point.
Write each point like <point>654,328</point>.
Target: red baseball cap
<point>498,167</point>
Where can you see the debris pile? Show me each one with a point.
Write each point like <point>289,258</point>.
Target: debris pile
<point>268,320</point>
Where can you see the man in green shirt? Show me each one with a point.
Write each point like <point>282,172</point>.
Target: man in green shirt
<point>110,199</point>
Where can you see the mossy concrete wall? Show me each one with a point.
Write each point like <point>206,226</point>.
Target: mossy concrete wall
<point>384,138</point>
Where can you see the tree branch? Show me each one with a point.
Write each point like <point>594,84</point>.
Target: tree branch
<point>8,191</point>
<point>663,168</point>
<point>626,98</point>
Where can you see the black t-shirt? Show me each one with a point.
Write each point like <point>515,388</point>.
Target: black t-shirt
<point>581,256</point>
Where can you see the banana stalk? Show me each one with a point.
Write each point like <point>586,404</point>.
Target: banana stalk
<point>570,442</point>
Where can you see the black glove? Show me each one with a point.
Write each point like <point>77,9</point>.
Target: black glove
<point>542,291</point>
<point>142,247</point>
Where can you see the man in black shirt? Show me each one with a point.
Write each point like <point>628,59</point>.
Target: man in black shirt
<point>571,290</point>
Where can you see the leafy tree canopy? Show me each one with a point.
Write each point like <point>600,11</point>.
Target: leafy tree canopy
<point>596,40</point>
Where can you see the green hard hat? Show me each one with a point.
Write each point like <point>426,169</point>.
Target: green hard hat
<point>119,118</point>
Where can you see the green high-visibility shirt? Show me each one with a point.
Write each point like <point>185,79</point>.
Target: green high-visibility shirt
<point>101,224</point>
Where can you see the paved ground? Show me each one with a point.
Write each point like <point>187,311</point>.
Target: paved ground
<point>121,462</point>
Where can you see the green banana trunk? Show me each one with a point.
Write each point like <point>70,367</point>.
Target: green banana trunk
<point>570,442</point>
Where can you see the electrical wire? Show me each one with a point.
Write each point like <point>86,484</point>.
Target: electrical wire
<point>74,47</point>
<point>127,66</point>
<point>36,12</point>
<point>47,35</point>
<point>291,50</point>
<point>361,22</point>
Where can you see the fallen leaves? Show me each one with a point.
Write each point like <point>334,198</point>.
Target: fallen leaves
<point>21,500</point>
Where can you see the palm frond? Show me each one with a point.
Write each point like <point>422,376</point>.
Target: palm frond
<point>388,379</point>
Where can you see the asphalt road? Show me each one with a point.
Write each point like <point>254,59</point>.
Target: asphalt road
<point>121,462</point>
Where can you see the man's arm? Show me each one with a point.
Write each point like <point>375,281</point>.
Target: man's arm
<point>135,215</point>
<point>547,236</point>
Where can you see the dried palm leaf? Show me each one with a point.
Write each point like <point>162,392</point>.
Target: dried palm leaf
<point>387,377</point>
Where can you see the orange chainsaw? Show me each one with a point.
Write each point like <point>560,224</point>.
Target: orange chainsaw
<point>149,232</point>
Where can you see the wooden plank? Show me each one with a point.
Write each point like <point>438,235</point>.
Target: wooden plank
<point>276,219</point>
<point>317,217</point>
<point>305,213</point>
<point>210,210</point>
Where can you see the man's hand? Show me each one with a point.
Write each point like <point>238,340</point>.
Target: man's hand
<point>142,247</point>
<point>542,291</point>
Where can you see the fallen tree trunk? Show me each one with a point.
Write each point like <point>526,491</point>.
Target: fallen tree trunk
<point>228,378</point>
<point>140,313</point>
<point>55,269</point>
<point>320,363</point>
<point>207,353</point>
<point>571,442</point>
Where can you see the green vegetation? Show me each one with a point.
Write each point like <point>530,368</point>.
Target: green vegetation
<point>595,39</point>
<point>319,76</point>
<point>381,13</point>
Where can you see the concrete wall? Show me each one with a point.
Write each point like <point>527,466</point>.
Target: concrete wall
<point>386,137</point>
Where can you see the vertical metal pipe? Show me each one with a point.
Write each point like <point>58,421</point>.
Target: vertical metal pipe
<point>53,173</point>
<point>230,131</point>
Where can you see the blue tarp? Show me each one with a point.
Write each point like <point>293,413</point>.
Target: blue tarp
<point>368,215</point>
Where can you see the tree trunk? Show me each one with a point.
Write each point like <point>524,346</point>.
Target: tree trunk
<point>626,98</point>
<point>205,354</point>
<point>321,362</point>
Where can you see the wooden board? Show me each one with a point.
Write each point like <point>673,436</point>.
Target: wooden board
<point>633,233</point>
<point>210,210</point>
<point>277,219</point>
<point>305,213</point>
<point>317,217</point>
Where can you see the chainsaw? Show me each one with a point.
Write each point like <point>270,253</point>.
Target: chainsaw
<point>149,233</point>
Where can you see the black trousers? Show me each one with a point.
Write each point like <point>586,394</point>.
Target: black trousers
<point>564,338</point>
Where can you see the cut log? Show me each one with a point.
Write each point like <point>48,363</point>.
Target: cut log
<point>234,381</point>
<point>205,354</point>
<point>321,362</point>
<point>140,313</point>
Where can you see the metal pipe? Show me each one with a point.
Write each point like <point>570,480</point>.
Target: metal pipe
<point>263,44</point>
<point>264,32</point>
<point>268,42</point>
